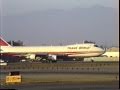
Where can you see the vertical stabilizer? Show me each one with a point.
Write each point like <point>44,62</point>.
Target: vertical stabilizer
<point>3,42</point>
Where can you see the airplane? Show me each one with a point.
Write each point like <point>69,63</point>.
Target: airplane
<point>74,51</point>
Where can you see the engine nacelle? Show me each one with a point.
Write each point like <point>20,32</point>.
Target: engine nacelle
<point>53,57</point>
<point>30,56</point>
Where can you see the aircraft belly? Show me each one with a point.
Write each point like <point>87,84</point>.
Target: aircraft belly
<point>84,55</point>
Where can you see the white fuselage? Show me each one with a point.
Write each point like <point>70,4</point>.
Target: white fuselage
<point>76,50</point>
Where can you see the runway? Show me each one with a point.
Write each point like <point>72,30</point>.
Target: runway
<point>65,76</point>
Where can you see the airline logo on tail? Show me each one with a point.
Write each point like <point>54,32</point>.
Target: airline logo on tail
<point>3,42</point>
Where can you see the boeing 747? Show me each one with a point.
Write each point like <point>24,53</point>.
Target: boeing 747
<point>76,51</point>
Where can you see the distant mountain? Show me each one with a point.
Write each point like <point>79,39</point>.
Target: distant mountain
<point>97,23</point>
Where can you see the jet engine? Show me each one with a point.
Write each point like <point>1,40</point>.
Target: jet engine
<point>52,57</point>
<point>31,56</point>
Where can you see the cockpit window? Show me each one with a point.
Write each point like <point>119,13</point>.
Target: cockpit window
<point>96,45</point>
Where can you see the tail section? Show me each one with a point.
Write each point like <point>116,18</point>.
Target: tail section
<point>3,42</point>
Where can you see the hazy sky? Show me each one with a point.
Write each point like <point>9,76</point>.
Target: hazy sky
<point>23,6</point>
<point>13,8</point>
